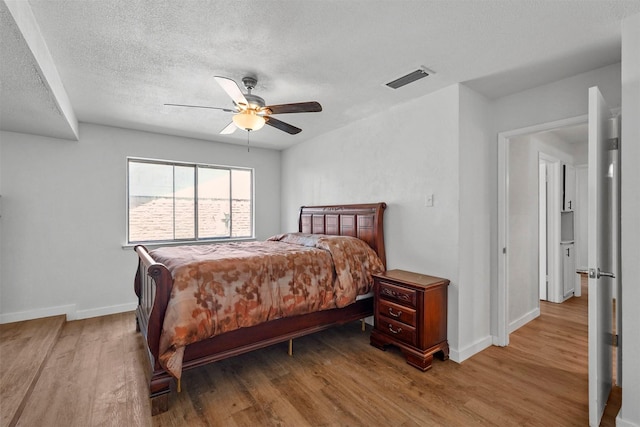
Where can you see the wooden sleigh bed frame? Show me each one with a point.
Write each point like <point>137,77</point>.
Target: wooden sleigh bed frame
<point>153,283</point>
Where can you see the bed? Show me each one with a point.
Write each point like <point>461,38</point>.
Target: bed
<point>154,283</point>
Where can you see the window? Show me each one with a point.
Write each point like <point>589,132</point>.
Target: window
<point>170,201</point>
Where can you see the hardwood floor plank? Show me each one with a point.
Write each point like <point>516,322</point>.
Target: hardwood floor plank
<point>97,374</point>
<point>24,346</point>
<point>268,398</point>
<point>137,382</point>
<point>55,396</point>
<point>110,403</point>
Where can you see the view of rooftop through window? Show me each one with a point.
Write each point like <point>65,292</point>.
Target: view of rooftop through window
<point>176,201</point>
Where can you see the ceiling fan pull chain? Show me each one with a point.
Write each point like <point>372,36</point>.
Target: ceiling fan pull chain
<point>248,148</point>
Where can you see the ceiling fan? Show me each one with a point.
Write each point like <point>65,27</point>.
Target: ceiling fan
<point>250,110</point>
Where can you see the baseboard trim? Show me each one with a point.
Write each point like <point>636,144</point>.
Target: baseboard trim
<point>495,340</point>
<point>68,310</point>
<point>460,356</point>
<point>19,316</point>
<point>105,311</point>
<point>528,317</point>
<point>621,422</point>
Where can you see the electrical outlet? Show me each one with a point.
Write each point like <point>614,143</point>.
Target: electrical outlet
<point>428,200</point>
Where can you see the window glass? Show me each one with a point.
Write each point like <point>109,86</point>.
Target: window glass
<point>176,201</point>
<point>241,203</point>
<point>150,202</point>
<point>214,202</point>
<point>185,202</point>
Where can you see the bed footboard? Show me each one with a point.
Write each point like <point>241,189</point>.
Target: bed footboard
<point>153,285</point>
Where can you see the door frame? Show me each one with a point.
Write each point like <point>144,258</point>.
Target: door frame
<point>553,205</point>
<point>502,297</point>
<point>543,255</point>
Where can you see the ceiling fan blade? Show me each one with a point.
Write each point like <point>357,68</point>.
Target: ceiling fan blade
<point>300,107</point>
<point>278,124</point>
<point>202,106</point>
<point>229,129</point>
<point>233,90</point>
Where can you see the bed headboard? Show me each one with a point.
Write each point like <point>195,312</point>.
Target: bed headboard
<point>364,221</point>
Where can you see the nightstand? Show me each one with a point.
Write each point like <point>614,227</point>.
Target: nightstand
<point>410,312</point>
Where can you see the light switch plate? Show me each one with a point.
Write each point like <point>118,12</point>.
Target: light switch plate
<point>428,200</point>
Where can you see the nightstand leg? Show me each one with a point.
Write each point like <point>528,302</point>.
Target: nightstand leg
<point>444,351</point>
<point>422,363</point>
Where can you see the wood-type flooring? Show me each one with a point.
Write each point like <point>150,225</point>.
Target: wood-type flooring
<point>96,374</point>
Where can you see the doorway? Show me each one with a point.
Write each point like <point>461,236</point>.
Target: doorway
<point>518,301</point>
<point>603,239</point>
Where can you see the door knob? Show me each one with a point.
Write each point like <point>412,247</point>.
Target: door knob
<point>596,273</point>
<point>606,274</point>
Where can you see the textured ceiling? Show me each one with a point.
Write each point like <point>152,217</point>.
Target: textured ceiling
<point>28,103</point>
<point>120,61</point>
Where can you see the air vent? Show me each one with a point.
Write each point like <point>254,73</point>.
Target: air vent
<point>410,78</point>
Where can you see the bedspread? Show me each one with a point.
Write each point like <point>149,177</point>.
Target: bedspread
<point>222,287</point>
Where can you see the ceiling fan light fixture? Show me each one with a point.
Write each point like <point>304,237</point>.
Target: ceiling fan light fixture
<point>251,112</point>
<point>249,120</point>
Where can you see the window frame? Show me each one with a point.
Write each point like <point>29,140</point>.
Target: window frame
<point>196,166</point>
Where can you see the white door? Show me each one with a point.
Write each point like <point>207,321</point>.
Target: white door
<point>601,247</point>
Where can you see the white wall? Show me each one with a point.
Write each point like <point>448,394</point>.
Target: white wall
<point>630,152</point>
<point>523,232</point>
<point>399,157</point>
<point>478,240</point>
<point>63,219</point>
<point>552,145</point>
<point>581,153</point>
<point>1,222</point>
<point>563,99</point>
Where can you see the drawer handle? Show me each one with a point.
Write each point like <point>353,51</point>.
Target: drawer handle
<point>398,314</point>
<point>394,331</point>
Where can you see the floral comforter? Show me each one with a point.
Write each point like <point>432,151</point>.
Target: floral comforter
<point>222,287</point>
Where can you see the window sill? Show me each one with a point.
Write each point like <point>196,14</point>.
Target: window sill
<point>154,245</point>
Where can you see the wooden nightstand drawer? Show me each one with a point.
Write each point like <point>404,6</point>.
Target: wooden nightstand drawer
<point>404,296</point>
<point>398,312</point>
<point>398,330</point>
